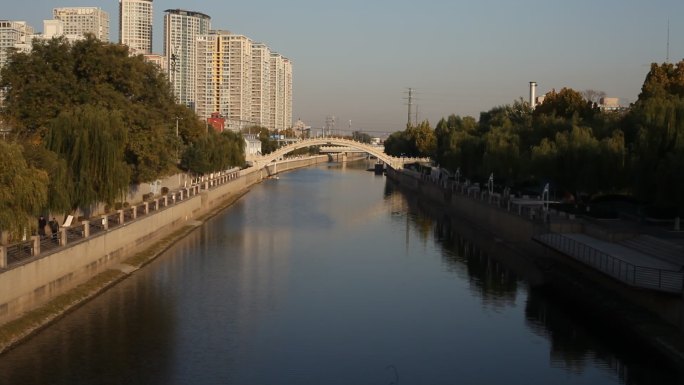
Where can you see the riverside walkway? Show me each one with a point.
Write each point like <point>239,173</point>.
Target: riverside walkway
<point>638,256</point>
<point>16,254</point>
<point>631,266</point>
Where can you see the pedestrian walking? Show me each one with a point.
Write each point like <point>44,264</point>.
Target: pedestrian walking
<point>54,228</point>
<point>42,222</point>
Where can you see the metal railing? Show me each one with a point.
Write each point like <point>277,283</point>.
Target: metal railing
<point>17,253</point>
<point>639,276</point>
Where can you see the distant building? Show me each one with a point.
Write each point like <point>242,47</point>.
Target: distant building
<point>261,84</point>
<point>77,21</point>
<point>52,28</point>
<point>217,122</point>
<point>14,35</point>
<point>301,129</point>
<point>181,32</point>
<point>135,25</point>
<point>252,146</point>
<point>224,67</point>
<point>281,92</point>
<point>158,60</point>
<point>609,104</point>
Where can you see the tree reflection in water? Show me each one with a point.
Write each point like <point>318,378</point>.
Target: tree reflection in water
<point>577,340</point>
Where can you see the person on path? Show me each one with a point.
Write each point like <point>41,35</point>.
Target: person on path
<point>42,222</point>
<point>54,228</point>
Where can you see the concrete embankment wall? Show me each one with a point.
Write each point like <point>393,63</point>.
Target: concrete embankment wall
<point>33,283</point>
<point>509,225</point>
<point>494,227</point>
<point>653,318</point>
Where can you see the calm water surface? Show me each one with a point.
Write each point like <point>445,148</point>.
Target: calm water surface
<point>330,276</point>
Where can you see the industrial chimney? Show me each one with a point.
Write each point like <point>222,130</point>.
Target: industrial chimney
<point>533,94</point>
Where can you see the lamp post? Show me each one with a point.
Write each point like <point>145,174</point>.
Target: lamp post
<point>490,184</point>
<point>177,139</point>
<point>174,70</point>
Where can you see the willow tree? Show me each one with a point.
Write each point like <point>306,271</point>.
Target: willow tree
<point>569,160</point>
<point>92,141</point>
<point>23,190</point>
<point>214,152</point>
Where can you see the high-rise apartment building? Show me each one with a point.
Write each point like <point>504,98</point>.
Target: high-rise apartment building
<point>261,83</point>
<point>135,25</point>
<point>182,30</point>
<point>287,113</point>
<point>224,83</point>
<point>77,21</point>
<point>14,35</point>
<point>281,92</point>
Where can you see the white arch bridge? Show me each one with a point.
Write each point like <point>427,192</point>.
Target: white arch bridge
<point>391,161</point>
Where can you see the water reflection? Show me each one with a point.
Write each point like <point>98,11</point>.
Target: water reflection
<point>577,341</point>
<point>313,278</point>
<point>59,354</point>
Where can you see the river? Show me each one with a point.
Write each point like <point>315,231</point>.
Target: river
<point>329,275</point>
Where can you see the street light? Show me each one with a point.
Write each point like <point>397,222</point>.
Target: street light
<point>490,184</point>
<point>177,138</point>
<point>174,68</point>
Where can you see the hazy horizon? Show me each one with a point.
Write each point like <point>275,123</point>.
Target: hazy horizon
<point>356,60</point>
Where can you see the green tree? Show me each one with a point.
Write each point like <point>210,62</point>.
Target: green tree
<point>501,154</point>
<point>59,198</point>
<point>611,165</point>
<point>361,137</point>
<point>91,140</point>
<point>214,152</point>
<point>419,141</point>
<point>423,138</point>
<point>569,161</point>
<point>57,76</point>
<point>663,80</point>
<point>657,154</point>
<point>449,134</point>
<point>397,144</point>
<point>567,104</point>
<point>23,190</point>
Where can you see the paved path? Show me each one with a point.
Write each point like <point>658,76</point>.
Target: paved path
<point>623,253</point>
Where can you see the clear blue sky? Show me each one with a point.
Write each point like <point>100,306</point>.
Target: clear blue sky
<point>356,59</point>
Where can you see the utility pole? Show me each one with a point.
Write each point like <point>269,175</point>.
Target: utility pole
<point>667,57</point>
<point>410,101</point>
<point>174,71</point>
<point>177,138</point>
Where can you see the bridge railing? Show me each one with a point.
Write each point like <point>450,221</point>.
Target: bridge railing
<point>392,161</point>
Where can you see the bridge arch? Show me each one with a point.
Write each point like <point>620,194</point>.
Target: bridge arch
<point>391,161</point>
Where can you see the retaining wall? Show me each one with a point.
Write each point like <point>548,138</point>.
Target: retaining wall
<point>577,281</point>
<point>41,278</point>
